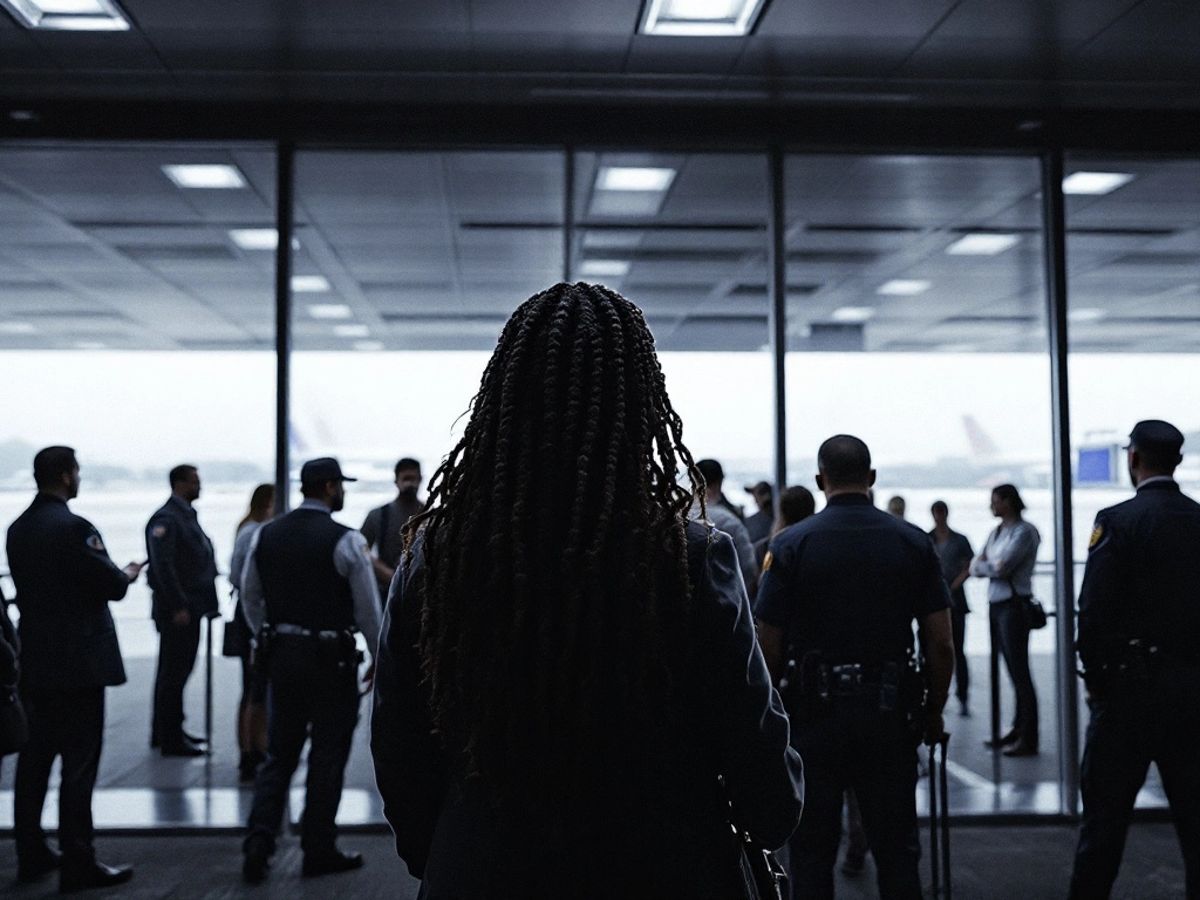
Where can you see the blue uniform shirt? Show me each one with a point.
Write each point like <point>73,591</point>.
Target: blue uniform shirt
<point>848,583</point>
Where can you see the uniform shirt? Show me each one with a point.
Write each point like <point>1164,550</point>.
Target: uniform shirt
<point>388,547</point>
<point>1008,559</point>
<point>848,582</point>
<point>954,554</point>
<point>727,522</point>
<point>183,564</point>
<point>758,526</point>
<point>65,580</point>
<point>1140,579</point>
<point>352,560</point>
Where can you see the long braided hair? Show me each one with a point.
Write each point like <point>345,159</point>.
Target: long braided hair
<point>555,554</point>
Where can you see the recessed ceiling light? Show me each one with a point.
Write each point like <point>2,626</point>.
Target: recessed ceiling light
<point>368,346</point>
<point>853,313</point>
<point>604,268</point>
<point>212,177</point>
<point>310,284</point>
<point>634,178</point>
<point>700,18</point>
<point>982,244</point>
<point>352,331</point>
<point>90,345</point>
<point>1095,182</point>
<point>68,15</point>
<point>904,287</point>
<point>1086,314</point>
<point>16,328</point>
<point>329,311</point>
<point>957,348</point>
<point>258,238</point>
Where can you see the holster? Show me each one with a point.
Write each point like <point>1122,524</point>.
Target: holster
<point>262,648</point>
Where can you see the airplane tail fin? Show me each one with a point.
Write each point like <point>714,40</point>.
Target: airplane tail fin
<point>981,442</point>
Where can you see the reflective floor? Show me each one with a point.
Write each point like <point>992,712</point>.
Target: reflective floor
<point>138,788</point>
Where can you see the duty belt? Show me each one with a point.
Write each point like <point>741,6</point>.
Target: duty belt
<point>300,631</point>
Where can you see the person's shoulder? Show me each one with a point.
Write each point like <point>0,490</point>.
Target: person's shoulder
<point>167,511</point>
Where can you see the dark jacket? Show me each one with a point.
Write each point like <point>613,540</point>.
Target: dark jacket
<point>65,581</point>
<point>1140,580</point>
<point>10,647</point>
<point>675,842</point>
<point>183,567</point>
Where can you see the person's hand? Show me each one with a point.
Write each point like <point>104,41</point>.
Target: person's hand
<point>182,618</point>
<point>133,570</point>
<point>935,728</point>
<point>368,678</point>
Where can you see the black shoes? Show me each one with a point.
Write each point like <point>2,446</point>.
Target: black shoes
<point>32,866</point>
<point>330,863</point>
<point>85,876</point>
<point>156,741</point>
<point>257,860</point>
<point>1012,737</point>
<point>184,747</point>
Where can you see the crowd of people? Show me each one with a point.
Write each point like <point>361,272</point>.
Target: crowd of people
<point>586,662</point>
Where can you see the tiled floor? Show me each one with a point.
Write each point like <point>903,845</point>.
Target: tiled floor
<point>1030,863</point>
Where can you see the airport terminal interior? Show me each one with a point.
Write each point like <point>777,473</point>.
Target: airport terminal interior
<point>242,235</point>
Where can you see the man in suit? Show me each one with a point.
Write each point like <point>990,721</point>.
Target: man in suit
<point>65,581</point>
<point>183,572</point>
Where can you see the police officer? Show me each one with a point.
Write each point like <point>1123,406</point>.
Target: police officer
<point>65,581</point>
<point>1139,623</point>
<point>835,609</point>
<point>307,584</point>
<point>183,572</point>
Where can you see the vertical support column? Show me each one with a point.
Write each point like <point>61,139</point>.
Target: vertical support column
<point>284,202</point>
<point>777,312</point>
<point>1055,236</point>
<point>568,215</point>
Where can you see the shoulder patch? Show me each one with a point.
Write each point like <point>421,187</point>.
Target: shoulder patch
<point>1097,536</point>
<point>95,543</point>
<point>767,560</point>
<point>158,531</point>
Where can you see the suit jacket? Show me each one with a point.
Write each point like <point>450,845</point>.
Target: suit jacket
<point>65,581</point>
<point>674,838</point>
<point>183,566</point>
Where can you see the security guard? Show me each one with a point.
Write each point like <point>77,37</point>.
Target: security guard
<point>1139,624</point>
<point>839,594</point>
<point>307,583</point>
<point>183,572</point>
<point>65,581</point>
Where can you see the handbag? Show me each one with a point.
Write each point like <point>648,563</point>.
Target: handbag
<point>760,874</point>
<point>1031,607</point>
<point>14,725</point>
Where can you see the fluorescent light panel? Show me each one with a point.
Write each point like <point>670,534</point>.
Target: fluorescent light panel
<point>351,331</point>
<point>1095,182</point>
<point>68,15</point>
<point>90,345</point>
<point>16,328</point>
<point>310,284</point>
<point>634,178</point>
<point>1086,314</point>
<point>368,346</point>
<point>904,287</point>
<point>329,311</point>
<point>853,313</point>
<point>604,268</point>
<point>700,18</point>
<point>204,177</point>
<point>982,244</point>
<point>258,238</point>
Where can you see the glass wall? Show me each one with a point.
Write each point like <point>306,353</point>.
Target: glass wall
<point>916,320</point>
<point>684,237</point>
<point>137,322</point>
<point>1133,245</point>
<point>137,325</point>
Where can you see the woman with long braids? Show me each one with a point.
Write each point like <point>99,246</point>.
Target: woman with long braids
<point>568,665</point>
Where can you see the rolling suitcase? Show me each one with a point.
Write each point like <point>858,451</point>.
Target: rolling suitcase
<point>939,821</point>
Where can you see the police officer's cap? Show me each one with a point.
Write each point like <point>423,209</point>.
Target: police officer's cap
<point>760,487</point>
<point>1156,435</point>
<point>319,471</point>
